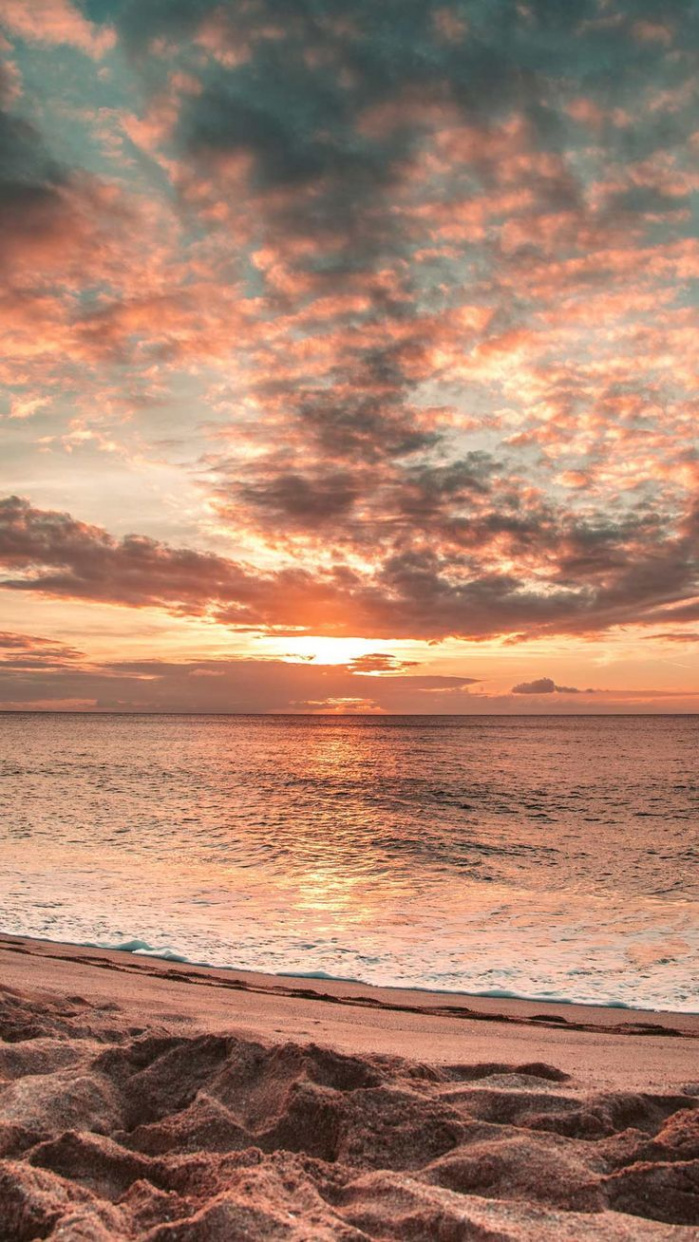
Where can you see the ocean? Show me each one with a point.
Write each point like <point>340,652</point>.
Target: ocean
<point>543,857</point>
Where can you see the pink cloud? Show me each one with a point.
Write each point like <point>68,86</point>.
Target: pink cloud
<point>653,32</point>
<point>55,22</point>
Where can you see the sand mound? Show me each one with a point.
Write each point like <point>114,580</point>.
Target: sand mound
<point>114,1132</point>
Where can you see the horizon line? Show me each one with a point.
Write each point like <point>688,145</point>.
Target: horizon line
<point>72,711</point>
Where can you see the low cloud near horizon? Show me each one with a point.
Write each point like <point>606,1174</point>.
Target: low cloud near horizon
<point>546,685</point>
<point>45,675</point>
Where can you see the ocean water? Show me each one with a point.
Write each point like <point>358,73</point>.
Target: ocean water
<point>532,856</point>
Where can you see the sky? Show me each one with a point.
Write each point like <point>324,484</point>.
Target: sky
<point>349,355</point>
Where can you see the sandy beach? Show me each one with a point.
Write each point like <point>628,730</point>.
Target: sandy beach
<point>142,1099</point>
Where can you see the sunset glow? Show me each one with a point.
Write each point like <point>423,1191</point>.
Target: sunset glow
<point>349,643</point>
<point>349,356</point>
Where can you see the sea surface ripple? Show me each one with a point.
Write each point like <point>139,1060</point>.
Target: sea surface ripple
<point>540,856</point>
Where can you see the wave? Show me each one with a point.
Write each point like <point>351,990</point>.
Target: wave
<point>141,948</point>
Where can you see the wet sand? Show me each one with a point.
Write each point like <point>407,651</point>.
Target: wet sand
<point>142,1099</point>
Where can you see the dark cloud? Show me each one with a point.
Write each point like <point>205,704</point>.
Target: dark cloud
<point>138,24</point>
<point>673,636</point>
<point>64,557</point>
<point>297,498</point>
<point>426,493</point>
<point>54,218</point>
<point>372,422</point>
<point>545,685</point>
<point>33,207</point>
<point>308,68</point>
<point>414,593</point>
<point>380,662</point>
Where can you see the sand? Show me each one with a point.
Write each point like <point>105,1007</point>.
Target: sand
<point>141,1099</point>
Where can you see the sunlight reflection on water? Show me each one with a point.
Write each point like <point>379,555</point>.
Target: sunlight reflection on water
<point>535,856</point>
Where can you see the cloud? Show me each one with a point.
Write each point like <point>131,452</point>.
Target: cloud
<point>601,577</point>
<point>55,22</point>
<point>32,185</point>
<point>329,195</point>
<point>380,662</point>
<point>298,498</point>
<point>40,674</point>
<point>28,653</point>
<point>673,636</point>
<point>545,685</point>
<point>59,677</point>
<point>65,557</point>
<point>53,219</point>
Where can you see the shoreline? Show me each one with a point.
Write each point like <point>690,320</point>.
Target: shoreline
<point>348,1014</point>
<point>382,993</point>
<point>146,1101</point>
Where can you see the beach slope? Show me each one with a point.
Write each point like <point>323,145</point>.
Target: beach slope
<point>142,1099</point>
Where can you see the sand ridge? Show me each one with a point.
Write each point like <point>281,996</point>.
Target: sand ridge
<point>153,1130</point>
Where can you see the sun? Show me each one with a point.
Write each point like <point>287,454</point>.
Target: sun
<point>324,650</point>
